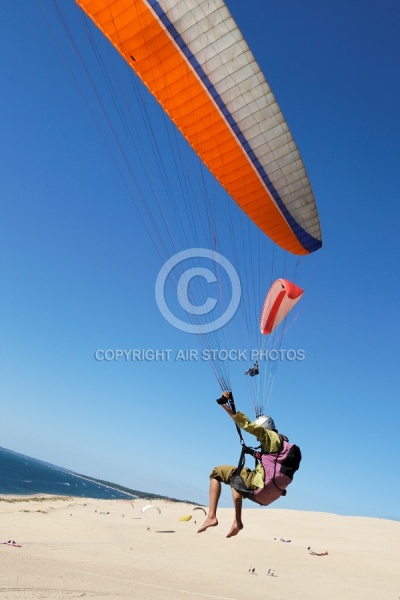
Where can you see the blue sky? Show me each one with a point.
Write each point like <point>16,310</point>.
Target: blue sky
<point>79,264</point>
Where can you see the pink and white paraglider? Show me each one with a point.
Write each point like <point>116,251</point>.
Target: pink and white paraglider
<point>281,298</point>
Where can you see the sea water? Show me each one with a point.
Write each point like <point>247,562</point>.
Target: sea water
<point>21,475</point>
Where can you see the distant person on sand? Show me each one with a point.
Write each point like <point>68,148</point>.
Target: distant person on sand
<point>266,482</point>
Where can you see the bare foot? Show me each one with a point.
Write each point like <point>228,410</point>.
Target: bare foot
<point>234,530</point>
<point>209,522</point>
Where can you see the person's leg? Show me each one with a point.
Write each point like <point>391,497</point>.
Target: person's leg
<point>215,492</point>
<point>237,522</point>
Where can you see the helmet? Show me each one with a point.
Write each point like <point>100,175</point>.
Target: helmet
<point>266,422</point>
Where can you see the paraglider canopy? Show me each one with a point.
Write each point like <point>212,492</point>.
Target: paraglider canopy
<point>194,60</point>
<point>148,506</point>
<point>200,508</point>
<point>281,298</point>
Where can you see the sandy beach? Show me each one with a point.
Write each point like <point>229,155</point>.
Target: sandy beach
<point>84,548</point>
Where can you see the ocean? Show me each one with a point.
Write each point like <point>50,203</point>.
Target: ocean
<point>21,475</point>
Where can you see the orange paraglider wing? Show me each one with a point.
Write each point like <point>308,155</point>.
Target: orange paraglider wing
<point>194,60</point>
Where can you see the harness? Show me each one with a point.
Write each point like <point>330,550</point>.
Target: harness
<point>276,479</point>
<point>258,458</point>
<point>279,467</point>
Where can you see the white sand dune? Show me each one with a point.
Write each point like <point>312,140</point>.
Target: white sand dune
<point>96,549</point>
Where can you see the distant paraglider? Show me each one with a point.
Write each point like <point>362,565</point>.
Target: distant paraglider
<point>254,370</point>
<point>149,506</point>
<point>131,502</point>
<point>281,298</point>
<point>200,508</point>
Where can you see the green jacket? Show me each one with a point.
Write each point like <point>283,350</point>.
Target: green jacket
<point>269,441</point>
